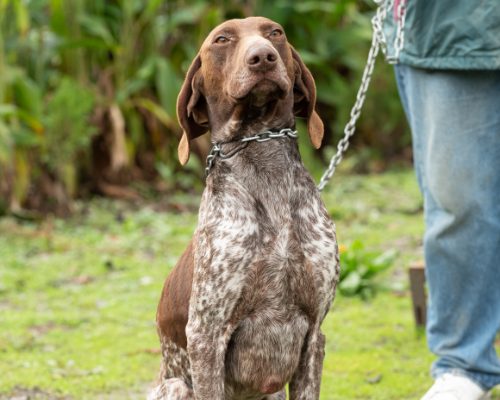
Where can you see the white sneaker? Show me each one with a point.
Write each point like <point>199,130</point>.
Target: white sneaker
<point>455,387</point>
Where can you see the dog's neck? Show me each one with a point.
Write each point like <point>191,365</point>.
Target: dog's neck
<point>271,173</point>
<point>243,120</point>
<point>252,160</point>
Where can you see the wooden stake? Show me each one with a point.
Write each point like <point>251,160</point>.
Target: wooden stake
<point>418,295</point>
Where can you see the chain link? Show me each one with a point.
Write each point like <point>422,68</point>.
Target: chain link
<point>378,42</point>
<point>216,150</point>
<point>268,135</point>
<point>400,33</point>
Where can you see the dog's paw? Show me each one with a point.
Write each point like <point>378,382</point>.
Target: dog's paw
<point>171,389</point>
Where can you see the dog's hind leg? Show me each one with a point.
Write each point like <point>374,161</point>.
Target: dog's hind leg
<point>174,382</point>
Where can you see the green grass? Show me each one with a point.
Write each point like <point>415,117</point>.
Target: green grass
<point>78,297</point>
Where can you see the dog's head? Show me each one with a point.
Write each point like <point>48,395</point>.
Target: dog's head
<point>246,78</point>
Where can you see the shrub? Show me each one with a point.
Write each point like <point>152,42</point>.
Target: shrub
<point>361,270</point>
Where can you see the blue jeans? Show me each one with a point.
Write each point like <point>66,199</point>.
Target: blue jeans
<point>455,121</point>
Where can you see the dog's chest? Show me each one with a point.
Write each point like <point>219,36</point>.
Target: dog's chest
<point>278,240</point>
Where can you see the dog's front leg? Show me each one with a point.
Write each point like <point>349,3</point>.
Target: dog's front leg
<point>305,384</point>
<point>207,348</point>
<point>217,283</point>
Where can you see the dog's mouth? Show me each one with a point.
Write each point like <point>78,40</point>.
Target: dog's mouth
<point>261,91</point>
<point>264,92</point>
<point>260,100</point>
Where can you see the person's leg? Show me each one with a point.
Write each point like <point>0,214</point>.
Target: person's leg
<point>455,122</point>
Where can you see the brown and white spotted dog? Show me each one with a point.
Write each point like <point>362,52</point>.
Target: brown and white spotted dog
<point>240,314</point>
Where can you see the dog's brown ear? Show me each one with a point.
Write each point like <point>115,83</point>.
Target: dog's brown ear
<point>191,109</point>
<point>304,92</point>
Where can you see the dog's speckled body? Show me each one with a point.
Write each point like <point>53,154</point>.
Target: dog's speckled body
<point>240,314</point>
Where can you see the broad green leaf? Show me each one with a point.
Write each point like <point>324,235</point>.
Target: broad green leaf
<point>385,259</point>
<point>28,96</point>
<point>152,7</point>
<point>22,16</point>
<point>187,15</point>
<point>351,285</point>
<point>168,84</point>
<point>96,26</point>
<point>25,138</point>
<point>131,87</point>
<point>58,18</point>
<point>157,111</point>
<point>10,110</point>
<point>7,110</point>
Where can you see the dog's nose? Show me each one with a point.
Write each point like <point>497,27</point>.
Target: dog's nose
<point>261,58</point>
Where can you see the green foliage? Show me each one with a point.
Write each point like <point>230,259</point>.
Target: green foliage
<point>131,56</point>
<point>67,128</point>
<point>361,268</point>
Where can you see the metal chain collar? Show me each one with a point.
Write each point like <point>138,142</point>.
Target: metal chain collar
<point>216,150</point>
<point>378,42</point>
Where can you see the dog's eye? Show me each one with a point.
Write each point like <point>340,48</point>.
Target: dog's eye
<point>221,39</point>
<point>276,33</point>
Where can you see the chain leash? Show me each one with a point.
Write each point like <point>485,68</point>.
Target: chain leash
<point>378,42</point>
